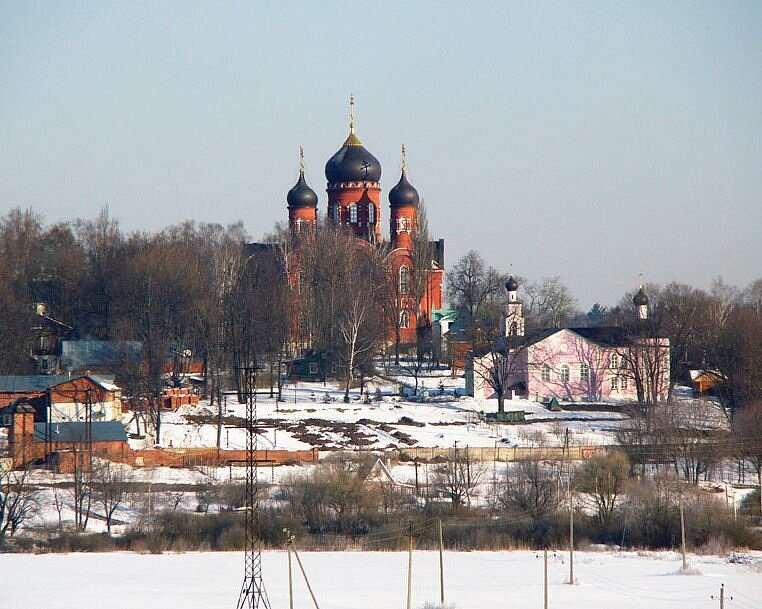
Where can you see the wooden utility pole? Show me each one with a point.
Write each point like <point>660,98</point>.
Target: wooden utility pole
<point>441,566</point>
<point>722,596</point>
<point>545,560</point>
<point>289,541</point>
<point>410,568</point>
<point>682,530</point>
<point>571,540</point>
<point>571,510</point>
<point>292,545</point>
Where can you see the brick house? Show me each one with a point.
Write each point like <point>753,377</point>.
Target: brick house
<point>60,398</point>
<point>58,442</point>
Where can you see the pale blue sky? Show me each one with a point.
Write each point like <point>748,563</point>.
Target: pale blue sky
<point>587,140</point>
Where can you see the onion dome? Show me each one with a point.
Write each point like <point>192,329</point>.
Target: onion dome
<point>640,298</point>
<point>511,285</point>
<point>352,163</point>
<point>301,195</point>
<point>404,193</point>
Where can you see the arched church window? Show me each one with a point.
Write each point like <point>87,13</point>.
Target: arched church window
<point>335,211</point>
<point>545,373</point>
<point>371,213</point>
<point>513,329</point>
<point>404,280</point>
<point>614,361</point>
<point>353,213</point>
<point>404,319</point>
<point>564,373</point>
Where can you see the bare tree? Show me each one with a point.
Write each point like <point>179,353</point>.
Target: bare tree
<point>153,306</point>
<point>111,485</point>
<point>601,480</point>
<point>498,363</point>
<point>747,425</point>
<point>471,283</point>
<point>736,354</point>
<point>459,477</point>
<point>688,434</point>
<point>549,303</point>
<point>102,241</point>
<point>644,361</point>
<point>82,483</point>
<point>530,486</point>
<point>19,501</point>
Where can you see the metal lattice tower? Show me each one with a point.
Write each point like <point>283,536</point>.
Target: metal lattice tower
<point>253,594</point>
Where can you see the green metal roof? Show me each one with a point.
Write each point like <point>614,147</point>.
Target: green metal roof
<point>31,384</point>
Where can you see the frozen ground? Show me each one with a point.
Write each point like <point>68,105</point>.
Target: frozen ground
<point>354,580</point>
<point>314,415</point>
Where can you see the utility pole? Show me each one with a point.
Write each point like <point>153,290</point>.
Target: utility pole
<point>441,566</point>
<point>545,560</point>
<point>722,596</point>
<point>682,529</point>
<point>571,510</point>
<point>289,541</point>
<point>410,567</point>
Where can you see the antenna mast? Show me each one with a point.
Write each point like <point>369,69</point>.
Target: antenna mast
<point>253,594</point>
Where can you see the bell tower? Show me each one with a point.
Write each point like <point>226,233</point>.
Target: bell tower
<point>302,202</point>
<point>403,200</point>
<point>514,316</point>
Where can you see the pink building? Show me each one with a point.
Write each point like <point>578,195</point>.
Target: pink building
<point>624,364</point>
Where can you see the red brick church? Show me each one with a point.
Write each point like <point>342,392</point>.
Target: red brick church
<point>353,177</point>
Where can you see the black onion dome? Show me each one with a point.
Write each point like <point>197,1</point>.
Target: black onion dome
<point>403,194</point>
<point>511,285</point>
<point>640,298</point>
<point>352,163</point>
<point>301,195</point>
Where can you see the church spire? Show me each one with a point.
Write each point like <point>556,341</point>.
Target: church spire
<point>352,140</point>
<point>301,161</point>
<point>404,159</point>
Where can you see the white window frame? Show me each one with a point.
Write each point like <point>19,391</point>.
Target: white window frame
<point>404,279</point>
<point>314,368</point>
<point>584,372</point>
<point>404,319</point>
<point>545,373</point>
<point>563,373</point>
<point>353,213</point>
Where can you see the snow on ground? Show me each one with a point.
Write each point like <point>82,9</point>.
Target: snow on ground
<point>314,415</point>
<point>368,580</point>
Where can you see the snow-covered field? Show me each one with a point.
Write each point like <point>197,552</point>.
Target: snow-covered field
<point>353,580</point>
<point>314,415</point>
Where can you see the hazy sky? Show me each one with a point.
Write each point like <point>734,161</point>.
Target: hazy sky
<point>587,140</point>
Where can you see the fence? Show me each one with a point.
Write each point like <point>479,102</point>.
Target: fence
<point>502,453</point>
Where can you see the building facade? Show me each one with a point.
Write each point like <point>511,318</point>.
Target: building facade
<point>597,364</point>
<point>353,188</point>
